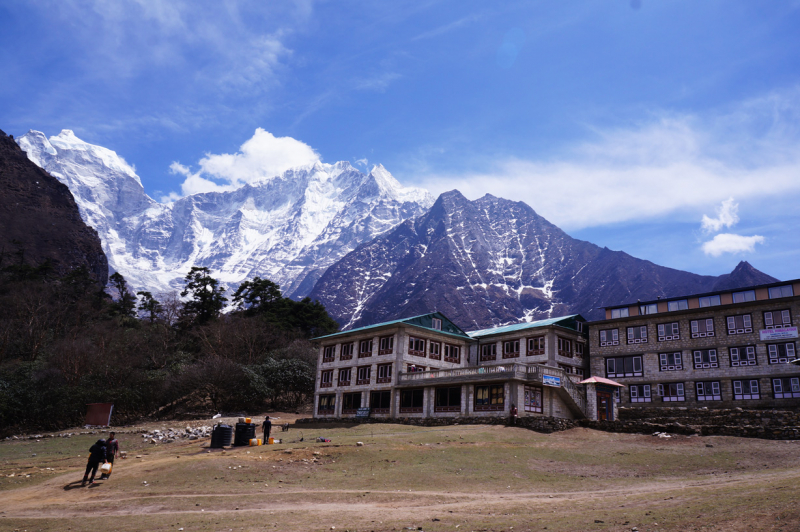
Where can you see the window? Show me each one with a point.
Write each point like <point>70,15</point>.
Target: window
<point>709,301</point>
<point>535,346</point>
<point>781,353</point>
<point>329,354</point>
<point>435,350</point>
<point>579,326</point>
<point>681,304</point>
<point>326,404</point>
<point>351,402</point>
<point>488,352</point>
<point>564,347</point>
<point>609,337</point>
<point>781,291</point>
<point>624,366</point>
<point>363,374</point>
<point>619,313</point>
<point>448,399</point>
<point>386,345</point>
<point>786,388</point>
<point>436,323</point>
<point>671,361</point>
<point>380,402</point>
<point>346,352</point>
<point>344,376</point>
<point>413,368</point>
<point>741,324</point>
<point>489,397</point>
<point>571,369</point>
<point>416,346</point>
<point>746,390</point>
<point>326,379</point>
<point>708,391</point>
<point>365,348</point>
<point>702,328</point>
<point>742,297</point>
<point>637,335</point>
<point>705,358</point>
<point>669,331</point>
<point>532,401</point>
<point>776,319</point>
<point>452,353</point>
<point>640,393</point>
<point>511,349</point>
<point>671,392</point>
<point>579,348</point>
<point>652,308</point>
<point>743,356</point>
<point>411,401</point>
<point>384,373</point>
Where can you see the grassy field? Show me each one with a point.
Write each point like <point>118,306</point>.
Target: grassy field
<point>409,478</point>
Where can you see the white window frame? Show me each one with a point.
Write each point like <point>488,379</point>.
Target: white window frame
<point>677,357</point>
<point>713,359</point>
<point>678,304</point>
<point>669,331</point>
<point>774,353</point>
<point>708,329</point>
<point>701,389</point>
<point>709,301</point>
<point>436,323</point>
<point>752,391</point>
<point>679,389</point>
<point>631,334</point>
<point>747,324</point>
<point>744,296</point>
<point>635,397</point>
<point>604,337</point>
<point>746,358</point>
<point>613,360</point>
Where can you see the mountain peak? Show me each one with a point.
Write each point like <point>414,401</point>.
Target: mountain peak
<point>744,274</point>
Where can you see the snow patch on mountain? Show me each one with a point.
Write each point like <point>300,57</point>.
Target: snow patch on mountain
<point>289,228</point>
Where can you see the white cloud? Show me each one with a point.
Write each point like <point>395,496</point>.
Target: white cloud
<point>673,163</point>
<point>261,157</point>
<point>727,216</point>
<point>363,162</point>
<point>731,243</point>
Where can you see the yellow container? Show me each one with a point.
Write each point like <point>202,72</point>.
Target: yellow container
<point>248,420</point>
<point>255,442</point>
<point>271,441</point>
<point>105,469</point>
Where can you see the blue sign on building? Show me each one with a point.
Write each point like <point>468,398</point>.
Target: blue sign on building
<point>549,380</point>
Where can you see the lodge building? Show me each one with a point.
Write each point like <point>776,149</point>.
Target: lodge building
<point>426,366</point>
<point>721,349</point>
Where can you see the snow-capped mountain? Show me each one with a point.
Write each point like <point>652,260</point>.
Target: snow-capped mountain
<point>288,228</point>
<point>491,262</point>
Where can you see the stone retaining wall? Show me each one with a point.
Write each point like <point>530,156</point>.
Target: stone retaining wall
<point>537,423</point>
<point>766,424</point>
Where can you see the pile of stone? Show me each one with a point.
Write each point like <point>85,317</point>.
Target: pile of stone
<point>171,435</point>
<point>43,436</point>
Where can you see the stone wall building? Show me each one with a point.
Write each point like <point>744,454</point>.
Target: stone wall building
<point>426,366</point>
<point>722,350</point>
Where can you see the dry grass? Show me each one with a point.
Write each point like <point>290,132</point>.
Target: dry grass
<point>446,478</point>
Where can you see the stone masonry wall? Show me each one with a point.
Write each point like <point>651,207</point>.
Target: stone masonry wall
<point>543,424</point>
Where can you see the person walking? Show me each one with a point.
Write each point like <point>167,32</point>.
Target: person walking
<point>97,454</point>
<point>112,449</point>
<point>267,426</point>
<point>513,414</point>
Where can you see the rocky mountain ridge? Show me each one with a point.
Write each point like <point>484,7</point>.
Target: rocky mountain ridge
<point>40,220</point>
<point>494,261</point>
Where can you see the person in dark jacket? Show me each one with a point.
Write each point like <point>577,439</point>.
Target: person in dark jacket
<point>97,454</point>
<point>112,448</point>
<point>267,426</point>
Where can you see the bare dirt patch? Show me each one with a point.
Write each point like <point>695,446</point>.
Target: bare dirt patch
<point>444,478</point>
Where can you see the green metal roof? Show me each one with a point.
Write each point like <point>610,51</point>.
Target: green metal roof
<point>417,321</point>
<point>523,326</point>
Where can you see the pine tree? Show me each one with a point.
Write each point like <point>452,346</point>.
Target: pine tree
<point>206,296</point>
<point>150,305</point>
<point>125,306</point>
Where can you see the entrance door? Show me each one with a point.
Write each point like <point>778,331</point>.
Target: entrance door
<point>605,410</point>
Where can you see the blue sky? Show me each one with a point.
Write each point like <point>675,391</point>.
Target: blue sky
<point>623,122</point>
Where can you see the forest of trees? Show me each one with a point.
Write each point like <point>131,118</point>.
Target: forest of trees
<point>65,342</point>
